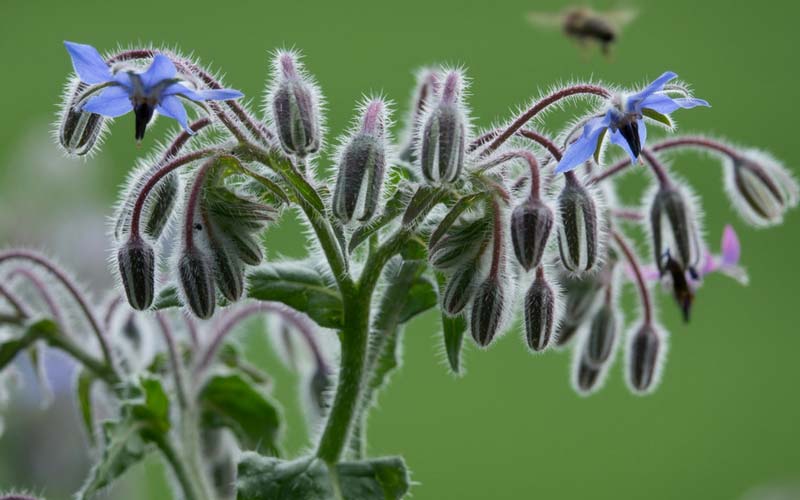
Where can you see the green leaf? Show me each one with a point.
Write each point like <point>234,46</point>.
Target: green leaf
<point>40,329</point>
<point>460,206</point>
<point>264,478</point>
<point>421,297</point>
<point>656,116</point>
<point>167,298</point>
<point>453,328</point>
<point>301,287</point>
<point>421,203</point>
<point>83,388</point>
<point>229,400</point>
<point>145,420</point>
<point>394,207</point>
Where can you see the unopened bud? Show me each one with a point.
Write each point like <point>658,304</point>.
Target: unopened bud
<point>674,229</point>
<point>531,223</point>
<point>459,290</point>
<point>361,167</point>
<point>578,227</point>
<point>540,310</point>
<point>136,261</point>
<point>487,311</point>
<point>463,243</point>
<point>602,335</point>
<point>427,87</point>
<point>228,271</point>
<point>581,296</point>
<point>444,135</point>
<point>644,353</point>
<point>247,247</point>
<point>295,110</point>
<point>196,279</point>
<point>761,189</point>
<point>586,376</point>
<point>160,204</point>
<point>79,131</point>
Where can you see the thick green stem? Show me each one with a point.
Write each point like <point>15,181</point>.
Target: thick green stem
<point>182,473</point>
<point>354,337</point>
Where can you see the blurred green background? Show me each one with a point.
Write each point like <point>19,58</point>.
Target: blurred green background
<point>725,419</point>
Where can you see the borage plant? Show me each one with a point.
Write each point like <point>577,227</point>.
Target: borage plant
<point>485,226</point>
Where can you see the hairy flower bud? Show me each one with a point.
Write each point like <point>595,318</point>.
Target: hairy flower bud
<point>428,81</point>
<point>581,297</point>
<point>645,350</point>
<point>444,135</point>
<point>463,243</point>
<point>531,223</point>
<point>294,106</point>
<point>160,204</point>
<point>675,235</point>
<point>78,131</point>
<point>761,189</point>
<point>578,227</point>
<point>602,335</point>
<point>361,167</point>
<point>460,289</point>
<point>196,278</point>
<point>247,248</point>
<point>228,271</point>
<point>136,261</point>
<point>540,310</point>
<point>586,376</point>
<point>487,311</point>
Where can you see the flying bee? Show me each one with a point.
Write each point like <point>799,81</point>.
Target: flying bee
<point>586,25</point>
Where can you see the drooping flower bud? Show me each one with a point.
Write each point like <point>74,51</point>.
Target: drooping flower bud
<point>196,278</point>
<point>361,166</point>
<point>578,223</point>
<point>673,223</point>
<point>228,270</point>
<point>444,134</point>
<point>136,261</point>
<point>586,376</point>
<point>159,206</point>
<point>463,243</point>
<point>78,131</point>
<point>460,289</point>
<point>540,311</point>
<point>531,223</point>
<point>294,103</point>
<point>248,249</point>
<point>487,311</point>
<point>602,336</point>
<point>581,296</point>
<point>761,189</point>
<point>645,352</point>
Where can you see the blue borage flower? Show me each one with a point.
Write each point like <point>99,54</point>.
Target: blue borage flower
<point>158,88</point>
<point>625,122</point>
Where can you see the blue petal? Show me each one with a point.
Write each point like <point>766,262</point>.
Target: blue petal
<point>583,149</point>
<point>617,138</point>
<point>642,132</point>
<point>88,63</point>
<point>172,107</point>
<point>665,105</point>
<point>202,95</point>
<point>112,102</point>
<point>160,69</point>
<point>634,101</point>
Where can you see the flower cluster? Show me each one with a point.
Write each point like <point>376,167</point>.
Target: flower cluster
<point>494,228</point>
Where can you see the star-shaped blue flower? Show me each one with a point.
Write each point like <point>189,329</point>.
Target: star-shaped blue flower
<point>159,88</point>
<point>625,122</point>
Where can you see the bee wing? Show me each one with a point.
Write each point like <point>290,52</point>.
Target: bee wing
<point>621,17</point>
<point>546,20</point>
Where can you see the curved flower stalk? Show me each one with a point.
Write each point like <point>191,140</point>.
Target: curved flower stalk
<point>459,222</point>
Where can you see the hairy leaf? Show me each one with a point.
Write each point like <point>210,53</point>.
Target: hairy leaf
<point>453,328</point>
<point>299,286</point>
<point>230,400</point>
<point>264,478</point>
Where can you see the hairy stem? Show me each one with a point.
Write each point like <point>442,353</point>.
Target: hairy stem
<point>644,293</point>
<point>540,105</point>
